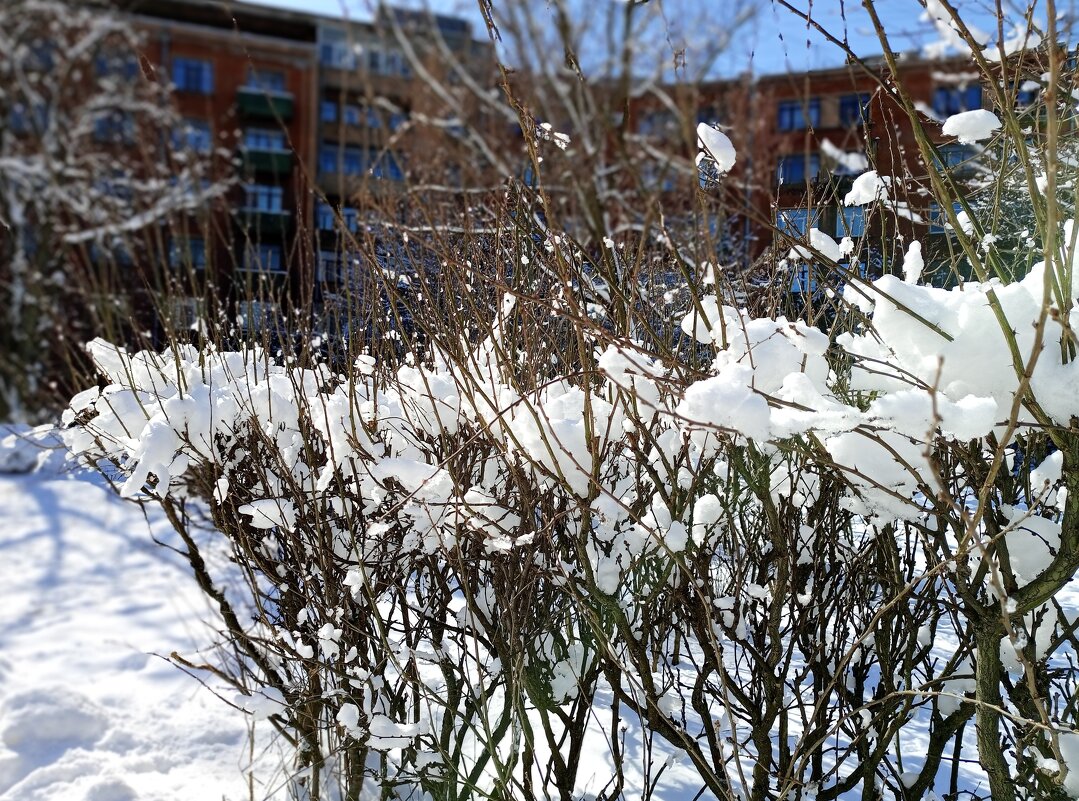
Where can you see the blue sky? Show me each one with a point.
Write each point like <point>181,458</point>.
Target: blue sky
<point>775,41</point>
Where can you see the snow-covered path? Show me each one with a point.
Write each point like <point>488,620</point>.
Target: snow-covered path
<point>86,712</point>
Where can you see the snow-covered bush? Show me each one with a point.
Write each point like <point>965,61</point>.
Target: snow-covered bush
<point>554,551</point>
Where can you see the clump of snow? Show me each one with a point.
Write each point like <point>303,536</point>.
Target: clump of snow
<point>715,145</point>
<point>819,242</point>
<point>970,127</point>
<point>847,162</point>
<point>867,188</point>
<point>913,264</point>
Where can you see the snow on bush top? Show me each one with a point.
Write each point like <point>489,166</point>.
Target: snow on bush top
<point>770,380</point>
<point>970,127</point>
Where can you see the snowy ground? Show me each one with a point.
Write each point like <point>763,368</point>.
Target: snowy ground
<point>87,711</point>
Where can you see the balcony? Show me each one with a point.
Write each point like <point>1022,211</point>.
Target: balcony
<point>263,222</point>
<point>278,162</point>
<point>255,101</point>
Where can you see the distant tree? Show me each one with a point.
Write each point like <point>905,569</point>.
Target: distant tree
<point>93,160</point>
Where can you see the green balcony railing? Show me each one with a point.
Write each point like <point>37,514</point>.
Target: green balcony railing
<point>278,162</point>
<point>260,222</point>
<point>254,101</point>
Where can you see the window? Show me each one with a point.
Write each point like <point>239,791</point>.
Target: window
<point>352,161</point>
<point>187,187</point>
<point>374,60</point>
<point>22,122</point>
<point>352,115</point>
<point>193,75</point>
<point>194,135</point>
<point>190,252</point>
<point>258,315</point>
<point>265,139</point>
<point>187,312</point>
<point>795,222</point>
<point>949,100</point>
<point>263,258</point>
<point>850,221</point>
<point>1028,94</point>
<point>116,185</point>
<point>395,63</point>
<point>114,126</point>
<point>328,111</point>
<point>357,161</point>
<point>372,118</point>
<point>796,115</point>
<point>854,109</point>
<point>938,220</point>
<point>803,278</point>
<point>385,166</point>
<point>956,158</point>
<point>335,49</point>
<point>264,198</point>
<point>656,123</point>
<point>397,119</point>
<point>40,56</point>
<point>798,168</point>
<point>328,268</point>
<point>266,80</point>
<point>115,65</point>
<point>325,219</point>
<point>327,159</point>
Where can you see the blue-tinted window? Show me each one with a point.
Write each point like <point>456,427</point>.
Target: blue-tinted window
<point>336,49</point>
<point>850,221</point>
<point>956,158</point>
<point>938,219</point>
<point>853,109</point>
<point>22,121</point>
<point>352,161</point>
<point>114,126</point>
<point>266,80</point>
<point>352,115</point>
<point>328,158</point>
<point>193,75</point>
<point>324,217</point>
<point>397,119</point>
<point>333,158</point>
<point>386,166</point>
<point>116,65</point>
<point>265,139</point>
<point>949,100</point>
<point>264,198</point>
<point>794,222</point>
<point>1028,94</point>
<point>194,135</point>
<point>796,115</point>
<point>328,111</point>
<point>803,278</point>
<point>798,168</point>
<point>189,252</point>
<point>263,258</point>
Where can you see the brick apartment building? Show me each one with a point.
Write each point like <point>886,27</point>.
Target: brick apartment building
<point>801,139</point>
<point>299,102</point>
<point>318,119</point>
